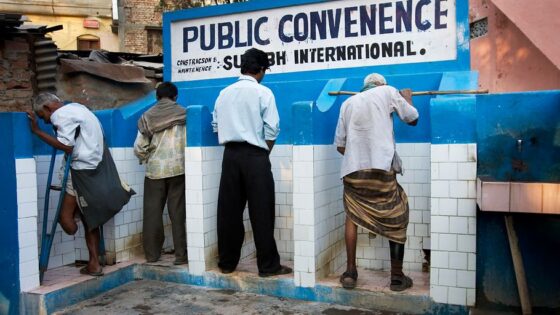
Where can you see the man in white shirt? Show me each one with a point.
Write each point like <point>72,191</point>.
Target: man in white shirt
<point>86,147</point>
<point>372,197</point>
<point>246,120</point>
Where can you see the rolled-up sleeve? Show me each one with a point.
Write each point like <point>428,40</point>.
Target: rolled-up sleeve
<point>406,112</point>
<point>340,134</point>
<point>65,128</point>
<point>215,115</point>
<point>271,120</point>
<point>141,148</point>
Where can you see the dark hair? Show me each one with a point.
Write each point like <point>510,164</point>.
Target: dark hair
<point>253,61</point>
<point>166,89</point>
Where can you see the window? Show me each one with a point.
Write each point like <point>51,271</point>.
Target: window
<point>88,42</point>
<point>155,42</point>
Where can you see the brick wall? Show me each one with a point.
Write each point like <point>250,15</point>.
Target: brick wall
<point>16,90</point>
<point>137,15</point>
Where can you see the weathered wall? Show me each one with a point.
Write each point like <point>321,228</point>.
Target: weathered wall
<point>99,93</point>
<point>135,15</point>
<point>505,58</point>
<point>16,90</point>
<point>59,7</point>
<point>66,38</point>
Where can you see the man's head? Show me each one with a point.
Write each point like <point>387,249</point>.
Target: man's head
<point>373,80</point>
<point>166,90</point>
<point>254,62</point>
<point>45,104</point>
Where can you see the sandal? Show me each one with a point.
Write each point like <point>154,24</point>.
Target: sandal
<point>85,271</point>
<point>400,283</point>
<point>349,279</point>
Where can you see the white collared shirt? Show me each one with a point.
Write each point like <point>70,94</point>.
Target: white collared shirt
<point>88,146</point>
<point>365,128</point>
<point>246,111</point>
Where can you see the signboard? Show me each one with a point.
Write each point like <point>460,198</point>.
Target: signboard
<point>318,36</point>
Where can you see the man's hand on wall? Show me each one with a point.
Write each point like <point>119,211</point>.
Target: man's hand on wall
<point>407,95</point>
<point>32,121</point>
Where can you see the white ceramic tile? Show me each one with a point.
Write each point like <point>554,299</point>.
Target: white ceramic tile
<point>447,206</point>
<point>466,243</point>
<point>439,259</point>
<point>457,296</point>
<point>466,279</point>
<point>440,224</point>
<point>458,189</point>
<point>448,171</point>
<point>24,166</point>
<point>440,189</point>
<point>440,153</point>
<point>448,277</point>
<point>458,260</point>
<point>471,297</point>
<point>458,225</point>
<point>458,152</point>
<point>448,242</point>
<point>439,293</point>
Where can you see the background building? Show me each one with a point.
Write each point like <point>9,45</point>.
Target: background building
<point>514,44</point>
<point>87,24</point>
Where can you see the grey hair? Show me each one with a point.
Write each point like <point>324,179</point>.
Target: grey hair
<point>374,79</point>
<point>43,99</point>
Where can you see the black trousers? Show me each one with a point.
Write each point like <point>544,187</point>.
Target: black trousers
<point>156,193</point>
<point>246,177</point>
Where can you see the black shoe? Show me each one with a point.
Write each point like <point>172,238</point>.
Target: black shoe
<point>181,261</point>
<point>226,271</point>
<point>282,271</point>
<point>150,261</point>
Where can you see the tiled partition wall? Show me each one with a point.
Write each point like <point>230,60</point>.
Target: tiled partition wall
<point>123,233</point>
<point>374,252</point>
<point>203,169</point>
<point>318,213</point>
<point>453,221</point>
<point>26,177</point>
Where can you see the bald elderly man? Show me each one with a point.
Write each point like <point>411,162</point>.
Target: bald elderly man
<point>372,197</point>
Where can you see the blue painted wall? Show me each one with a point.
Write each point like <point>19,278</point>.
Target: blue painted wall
<point>9,258</point>
<point>501,119</point>
<point>532,117</point>
<point>539,240</point>
<point>313,86</point>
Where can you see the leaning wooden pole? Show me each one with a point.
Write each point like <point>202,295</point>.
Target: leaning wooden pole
<point>518,266</point>
<point>335,93</point>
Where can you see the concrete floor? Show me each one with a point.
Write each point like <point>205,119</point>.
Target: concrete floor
<point>148,297</point>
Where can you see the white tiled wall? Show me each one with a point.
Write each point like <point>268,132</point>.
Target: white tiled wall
<point>304,216</point>
<point>203,169</point>
<point>123,233</point>
<point>329,210</point>
<point>453,221</point>
<point>63,248</point>
<point>26,178</point>
<point>281,160</point>
<point>318,213</point>
<point>374,252</point>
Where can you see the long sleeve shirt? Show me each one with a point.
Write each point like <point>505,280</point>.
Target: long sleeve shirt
<point>365,128</point>
<point>164,154</point>
<point>246,112</point>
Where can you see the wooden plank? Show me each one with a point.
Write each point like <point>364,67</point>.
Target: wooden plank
<point>518,266</point>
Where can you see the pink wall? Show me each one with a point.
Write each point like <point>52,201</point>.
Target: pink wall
<point>505,58</point>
